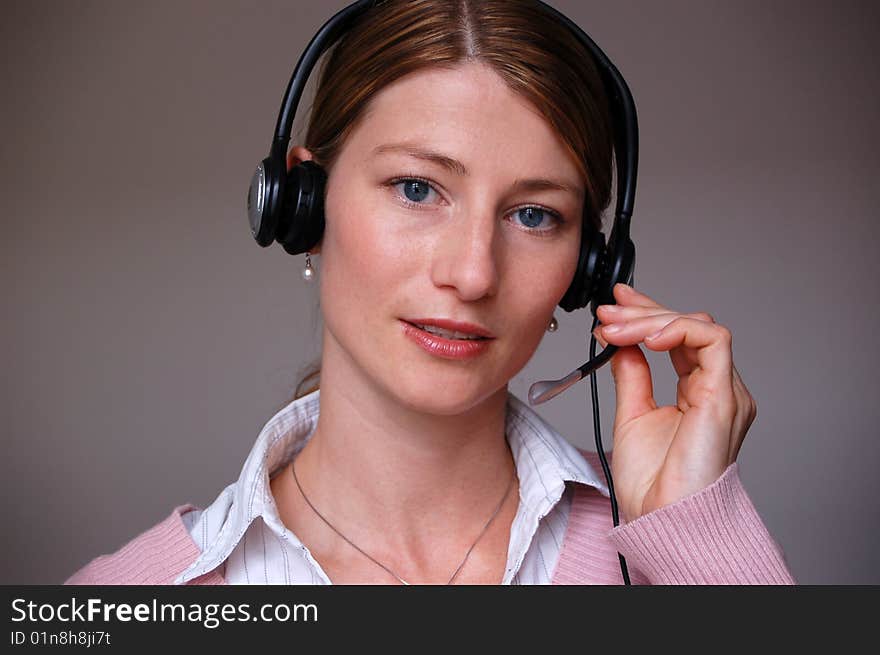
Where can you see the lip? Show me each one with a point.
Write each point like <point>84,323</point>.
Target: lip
<point>457,326</point>
<point>445,348</point>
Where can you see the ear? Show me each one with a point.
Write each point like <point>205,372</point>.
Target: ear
<point>297,154</point>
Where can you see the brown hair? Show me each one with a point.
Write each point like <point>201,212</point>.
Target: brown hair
<point>536,55</point>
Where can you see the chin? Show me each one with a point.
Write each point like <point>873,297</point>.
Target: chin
<point>441,395</point>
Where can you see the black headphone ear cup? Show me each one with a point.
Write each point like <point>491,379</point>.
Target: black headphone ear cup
<point>619,266</point>
<point>302,218</point>
<point>265,196</point>
<point>590,260</point>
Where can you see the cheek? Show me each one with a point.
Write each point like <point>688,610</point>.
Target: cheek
<point>540,285</point>
<point>340,243</point>
<point>535,294</point>
<point>563,272</point>
<point>565,267</point>
<point>363,261</point>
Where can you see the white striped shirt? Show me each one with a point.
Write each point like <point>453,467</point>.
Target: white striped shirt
<point>242,533</point>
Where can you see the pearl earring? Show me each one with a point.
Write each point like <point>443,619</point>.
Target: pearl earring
<point>308,272</point>
<point>554,325</point>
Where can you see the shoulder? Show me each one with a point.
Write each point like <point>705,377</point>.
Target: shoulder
<point>595,462</point>
<point>590,507</point>
<point>155,556</point>
<point>587,499</point>
<point>593,458</point>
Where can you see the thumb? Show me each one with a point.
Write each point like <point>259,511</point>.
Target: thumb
<point>632,382</point>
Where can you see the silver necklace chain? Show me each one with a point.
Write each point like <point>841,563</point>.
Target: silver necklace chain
<point>366,554</point>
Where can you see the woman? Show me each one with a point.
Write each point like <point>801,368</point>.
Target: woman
<point>465,143</point>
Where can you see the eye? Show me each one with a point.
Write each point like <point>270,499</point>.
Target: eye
<point>532,217</point>
<point>413,189</point>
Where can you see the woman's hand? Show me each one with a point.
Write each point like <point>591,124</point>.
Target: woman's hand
<point>662,454</point>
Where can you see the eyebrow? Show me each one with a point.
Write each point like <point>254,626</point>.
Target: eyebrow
<point>456,167</point>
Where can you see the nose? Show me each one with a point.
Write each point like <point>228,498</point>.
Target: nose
<point>465,258</point>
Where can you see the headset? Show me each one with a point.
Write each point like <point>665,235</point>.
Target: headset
<point>288,206</point>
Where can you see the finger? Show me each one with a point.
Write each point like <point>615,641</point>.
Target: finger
<point>614,313</point>
<point>711,346</point>
<point>633,385</point>
<point>635,329</point>
<point>747,410</point>
<point>749,401</point>
<point>680,395</point>
<point>598,334</point>
<point>684,360</point>
<point>626,295</point>
<point>617,313</point>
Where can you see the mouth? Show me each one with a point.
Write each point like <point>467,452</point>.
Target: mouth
<point>459,343</point>
<point>451,330</point>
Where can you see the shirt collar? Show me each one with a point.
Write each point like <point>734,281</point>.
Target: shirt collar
<point>544,459</point>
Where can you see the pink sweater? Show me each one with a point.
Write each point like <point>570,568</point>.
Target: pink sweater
<point>714,536</point>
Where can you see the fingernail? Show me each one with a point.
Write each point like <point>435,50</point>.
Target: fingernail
<point>612,329</point>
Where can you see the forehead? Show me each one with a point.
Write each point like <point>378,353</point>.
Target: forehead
<point>471,114</point>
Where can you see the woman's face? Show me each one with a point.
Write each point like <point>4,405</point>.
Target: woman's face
<point>452,199</point>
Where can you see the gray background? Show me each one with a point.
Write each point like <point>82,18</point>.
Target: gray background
<point>146,338</point>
